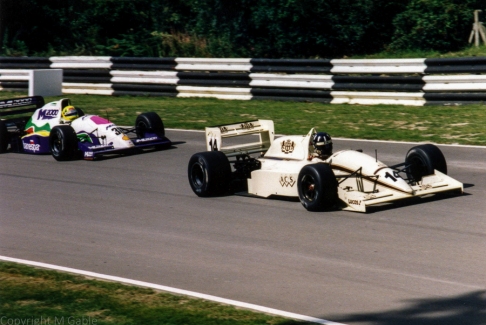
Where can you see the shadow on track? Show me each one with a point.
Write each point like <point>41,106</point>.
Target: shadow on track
<point>467,309</point>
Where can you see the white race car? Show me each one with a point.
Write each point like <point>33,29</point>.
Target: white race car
<point>289,166</point>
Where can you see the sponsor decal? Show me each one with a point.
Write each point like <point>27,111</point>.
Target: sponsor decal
<point>32,146</point>
<point>17,102</point>
<point>99,146</point>
<point>142,140</point>
<point>247,126</point>
<point>288,146</point>
<point>286,181</point>
<point>243,126</point>
<point>88,154</point>
<point>47,114</point>
<point>354,202</point>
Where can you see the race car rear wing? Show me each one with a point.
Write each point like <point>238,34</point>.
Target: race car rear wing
<point>10,107</point>
<point>263,128</point>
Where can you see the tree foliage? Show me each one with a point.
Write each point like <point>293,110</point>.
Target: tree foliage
<point>239,28</point>
<point>441,25</point>
<point>322,28</point>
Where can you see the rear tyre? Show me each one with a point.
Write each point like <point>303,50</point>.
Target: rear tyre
<point>4,137</point>
<point>149,122</point>
<point>422,160</point>
<point>209,173</point>
<point>317,187</point>
<point>63,142</point>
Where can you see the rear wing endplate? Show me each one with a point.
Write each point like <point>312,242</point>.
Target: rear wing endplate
<point>263,128</point>
<point>13,106</point>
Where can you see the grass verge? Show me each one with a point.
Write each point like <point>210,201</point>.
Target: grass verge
<point>43,297</point>
<point>438,124</point>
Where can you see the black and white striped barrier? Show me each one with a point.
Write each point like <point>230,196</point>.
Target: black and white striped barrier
<point>43,82</point>
<point>14,80</point>
<point>381,81</point>
<point>25,63</point>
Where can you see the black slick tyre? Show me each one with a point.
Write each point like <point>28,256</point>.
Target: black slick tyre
<point>63,142</point>
<point>209,173</point>
<point>317,187</point>
<point>4,137</point>
<point>421,161</point>
<point>149,122</point>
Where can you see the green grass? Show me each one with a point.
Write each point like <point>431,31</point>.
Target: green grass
<point>50,297</point>
<point>438,124</point>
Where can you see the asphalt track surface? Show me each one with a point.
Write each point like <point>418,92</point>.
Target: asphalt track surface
<point>420,262</point>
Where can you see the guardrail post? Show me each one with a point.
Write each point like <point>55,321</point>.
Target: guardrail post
<point>45,82</point>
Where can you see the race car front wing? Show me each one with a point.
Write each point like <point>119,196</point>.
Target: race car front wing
<point>354,200</point>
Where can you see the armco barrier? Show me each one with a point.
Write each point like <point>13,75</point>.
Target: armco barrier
<point>14,80</point>
<point>384,66</point>
<point>42,82</point>
<point>25,63</point>
<point>379,81</point>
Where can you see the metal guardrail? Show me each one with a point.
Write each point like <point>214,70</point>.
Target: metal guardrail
<point>379,81</point>
<point>14,80</point>
<point>45,82</point>
<point>379,66</point>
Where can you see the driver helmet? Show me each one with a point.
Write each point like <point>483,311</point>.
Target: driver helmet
<point>69,113</point>
<point>322,143</point>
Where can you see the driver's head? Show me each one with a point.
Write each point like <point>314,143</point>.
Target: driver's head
<point>322,143</point>
<point>69,113</point>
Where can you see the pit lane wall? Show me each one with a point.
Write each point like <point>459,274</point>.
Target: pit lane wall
<point>415,82</point>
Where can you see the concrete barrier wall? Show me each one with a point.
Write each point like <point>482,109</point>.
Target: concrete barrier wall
<point>381,81</point>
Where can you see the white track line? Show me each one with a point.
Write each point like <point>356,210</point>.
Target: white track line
<point>172,290</point>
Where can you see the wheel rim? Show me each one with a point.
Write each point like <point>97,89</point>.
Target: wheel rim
<point>417,167</point>
<point>141,129</point>
<point>56,144</point>
<point>198,176</point>
<point>308,187</point>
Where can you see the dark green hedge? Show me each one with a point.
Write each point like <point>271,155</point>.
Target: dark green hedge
<point>238,28</point>
<point>440,25</point>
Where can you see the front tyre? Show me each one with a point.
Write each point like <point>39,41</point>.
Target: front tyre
<point>63,142</point>
<point>149,122</point>
<point>209,173</point>
<point>423,160</point>
<point>4,137</point>
<point>317,187</point>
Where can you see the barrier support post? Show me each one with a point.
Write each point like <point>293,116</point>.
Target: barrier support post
<point>45,82</point>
